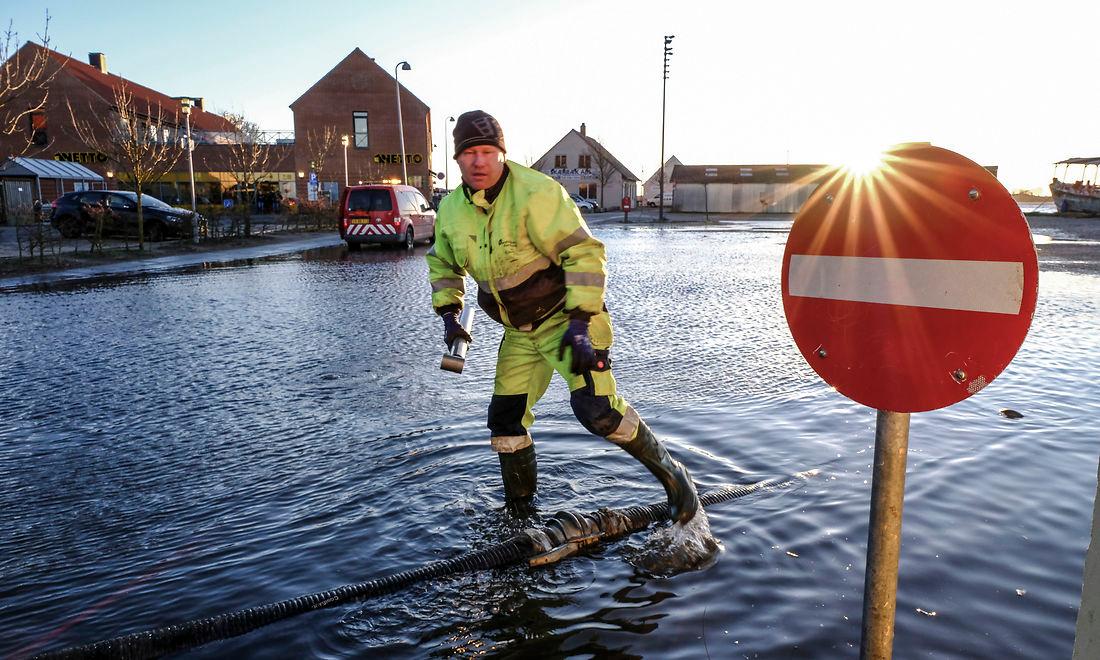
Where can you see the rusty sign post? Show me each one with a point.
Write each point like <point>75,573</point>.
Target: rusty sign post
<point>880,582</point>
<point>908,288</point>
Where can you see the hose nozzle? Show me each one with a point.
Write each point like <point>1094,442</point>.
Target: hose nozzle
<point>455,358</point>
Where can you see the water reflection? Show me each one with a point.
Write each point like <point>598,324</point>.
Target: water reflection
<point>230,436</point>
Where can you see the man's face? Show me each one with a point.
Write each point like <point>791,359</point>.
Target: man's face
<point>481,166</point>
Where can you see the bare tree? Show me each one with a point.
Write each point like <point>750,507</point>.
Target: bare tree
<point>247,159</point>
<point>138,137</point>
<point>369,172</point>
<point>24,81</point>
<point>319,143</point>
<point>604,166</point>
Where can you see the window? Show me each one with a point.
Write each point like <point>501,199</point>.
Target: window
<point>584,162</point>
<point>408,203</point>
<point>359,123</point>
<point>559,161</point>
<point>38,128</point>
<point>120,202</point>
<point>371,199</point>
<point>587,190</point>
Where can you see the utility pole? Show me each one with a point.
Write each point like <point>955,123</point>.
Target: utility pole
<point>661,171</point>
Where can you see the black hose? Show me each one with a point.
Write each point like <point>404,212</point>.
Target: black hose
<point>194,633</point>
<point>182,636</point>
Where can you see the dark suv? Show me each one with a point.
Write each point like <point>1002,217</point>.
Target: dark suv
<point>385,213</point>
<point>74,214</point>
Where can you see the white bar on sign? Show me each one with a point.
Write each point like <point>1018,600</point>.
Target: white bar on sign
<point>975,286</point>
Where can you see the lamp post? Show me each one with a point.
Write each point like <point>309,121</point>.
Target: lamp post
<point>344,141</point>
<point>664,84</point>
<point>110,175</point>
<point>401,66</point>
<point>185,106</point>
<point>446,169</point>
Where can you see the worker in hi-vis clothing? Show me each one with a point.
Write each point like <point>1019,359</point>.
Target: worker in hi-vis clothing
<point>540,273</point>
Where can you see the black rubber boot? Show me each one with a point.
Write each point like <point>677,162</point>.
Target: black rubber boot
<point>683,501</point>
<point>519,470</point>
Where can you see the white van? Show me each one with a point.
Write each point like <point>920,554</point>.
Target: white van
<point>652,201</point>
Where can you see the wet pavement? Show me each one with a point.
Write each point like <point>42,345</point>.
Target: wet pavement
<point>164,260</point>
<point>199,439</point>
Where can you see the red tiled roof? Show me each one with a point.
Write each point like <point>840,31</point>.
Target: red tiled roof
<point>105,84</point>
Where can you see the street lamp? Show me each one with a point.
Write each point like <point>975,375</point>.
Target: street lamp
<point>401,66</point>
<point>110,175</point>
<point>446,170</point>
<point>344,141</point>
<point>185,106</point>
<point>661,170</point>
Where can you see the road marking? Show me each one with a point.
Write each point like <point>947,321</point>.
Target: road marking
<point>975,286</point>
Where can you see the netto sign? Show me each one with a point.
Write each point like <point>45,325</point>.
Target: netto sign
<point>385,159</point>
<point>80,157</point>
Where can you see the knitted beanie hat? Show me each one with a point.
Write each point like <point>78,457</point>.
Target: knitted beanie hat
<point>477,127</point>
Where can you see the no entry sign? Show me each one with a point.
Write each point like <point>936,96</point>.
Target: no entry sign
<point>912,287</point>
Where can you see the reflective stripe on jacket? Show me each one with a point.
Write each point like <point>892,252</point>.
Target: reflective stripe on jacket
<point>530,252</point>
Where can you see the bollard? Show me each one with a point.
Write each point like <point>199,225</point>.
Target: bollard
<point>880,582</point>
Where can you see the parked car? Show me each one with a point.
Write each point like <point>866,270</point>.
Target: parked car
<point>656,197</point>
<point>385,213</point>
<point>584,204</point>
<point>74,214</point>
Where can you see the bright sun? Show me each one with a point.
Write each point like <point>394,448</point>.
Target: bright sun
<point>863,162</point>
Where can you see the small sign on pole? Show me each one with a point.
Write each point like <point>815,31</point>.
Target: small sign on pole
<point>907,289</point>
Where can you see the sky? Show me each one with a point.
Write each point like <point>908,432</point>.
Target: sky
<point>1012,84</point>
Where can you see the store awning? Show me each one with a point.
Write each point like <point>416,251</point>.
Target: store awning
<point>46,169</point>
<point>1079,161</point>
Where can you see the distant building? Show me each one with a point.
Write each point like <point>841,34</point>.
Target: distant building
<point>651,189</point>
<point>583,166</point>
<point>357,98</point>
<point>88,87</point>
<point>744,188</point>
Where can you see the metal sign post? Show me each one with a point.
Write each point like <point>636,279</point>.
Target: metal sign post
<point>908,288</point>
<point>880,583</point>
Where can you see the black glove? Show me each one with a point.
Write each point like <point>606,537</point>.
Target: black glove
<point>576,336</point>
<point>452,330</point>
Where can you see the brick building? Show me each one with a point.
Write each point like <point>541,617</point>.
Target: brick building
<point>89,88</point>
<point>358,98</point>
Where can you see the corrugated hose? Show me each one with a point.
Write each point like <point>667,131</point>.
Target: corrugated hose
<point>565,534</point>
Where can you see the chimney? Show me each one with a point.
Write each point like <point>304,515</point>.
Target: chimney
<point>583,131</point>
<point>198,104</point>
<point>99,61</point>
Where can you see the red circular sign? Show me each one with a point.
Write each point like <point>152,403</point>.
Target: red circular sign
<point>912,287</point>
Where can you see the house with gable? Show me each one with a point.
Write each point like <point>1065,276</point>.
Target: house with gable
<point>357,98</point>
<point>585,167</point>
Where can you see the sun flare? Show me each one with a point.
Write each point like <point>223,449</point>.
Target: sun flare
<point>862,163</point>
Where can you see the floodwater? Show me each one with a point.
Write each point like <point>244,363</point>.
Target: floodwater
<point>179,445</point>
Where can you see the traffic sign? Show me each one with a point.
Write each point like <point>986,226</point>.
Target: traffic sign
<point>910,288</point>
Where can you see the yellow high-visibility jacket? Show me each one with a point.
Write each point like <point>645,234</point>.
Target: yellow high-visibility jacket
<point>530,252</point>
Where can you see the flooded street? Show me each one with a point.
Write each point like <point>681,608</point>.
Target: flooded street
<point>180,444</point>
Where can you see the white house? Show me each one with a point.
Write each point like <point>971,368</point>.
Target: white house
<point>651,189</point>
<point>583,166</point>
